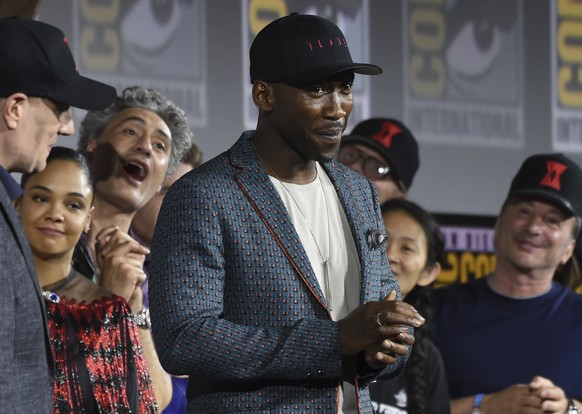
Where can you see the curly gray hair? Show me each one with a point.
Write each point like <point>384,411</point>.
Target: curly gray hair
<point>95,122</point>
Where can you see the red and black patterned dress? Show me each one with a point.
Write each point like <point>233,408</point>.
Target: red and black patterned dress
<point>99,362</point>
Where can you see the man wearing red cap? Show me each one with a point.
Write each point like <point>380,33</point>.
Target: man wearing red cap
<point>270,283</point>
<point>38,85</point>
<point>511,340</point>
<point>385,151</point>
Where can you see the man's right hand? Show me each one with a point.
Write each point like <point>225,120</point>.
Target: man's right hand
<point>120,259</point>
<point>361,331</point>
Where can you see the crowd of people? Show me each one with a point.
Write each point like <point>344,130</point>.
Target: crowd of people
<point>289,274</point>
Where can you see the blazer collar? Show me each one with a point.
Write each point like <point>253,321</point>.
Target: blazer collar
<point>12,187</point>
<point>9,214</point>
<point>257,187</point>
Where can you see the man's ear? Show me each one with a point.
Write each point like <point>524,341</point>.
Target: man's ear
<point>263,97</point>
<point>13,109</point>
<point>569,252</point>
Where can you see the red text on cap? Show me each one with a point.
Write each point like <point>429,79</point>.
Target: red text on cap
<point>327,43</point>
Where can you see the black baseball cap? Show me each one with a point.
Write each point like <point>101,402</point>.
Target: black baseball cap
<point>552,177</point>
<point>301,48</point>
<point>394,141</point>
<point>35,59</point>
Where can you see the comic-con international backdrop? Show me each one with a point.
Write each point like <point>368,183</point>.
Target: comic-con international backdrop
<point>481,83</point>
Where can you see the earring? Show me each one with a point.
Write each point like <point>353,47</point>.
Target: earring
<point>87,228</point>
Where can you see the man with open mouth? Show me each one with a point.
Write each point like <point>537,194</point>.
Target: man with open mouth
<point>131,147</point>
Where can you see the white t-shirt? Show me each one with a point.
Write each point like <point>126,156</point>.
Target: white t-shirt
<point>323,228</point>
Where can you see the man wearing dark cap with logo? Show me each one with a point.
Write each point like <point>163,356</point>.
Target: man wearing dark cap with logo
<point>38,85</point>
<point>270,285</point>
<point>384,151</point>
<point>511,340</point>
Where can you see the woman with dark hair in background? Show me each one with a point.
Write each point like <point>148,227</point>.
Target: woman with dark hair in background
<point>100,366</point>
<point>416,253</point>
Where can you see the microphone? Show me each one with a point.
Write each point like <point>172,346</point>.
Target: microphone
<point>376,238</point>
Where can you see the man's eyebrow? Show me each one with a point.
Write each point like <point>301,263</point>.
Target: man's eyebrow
<point>142,121</point>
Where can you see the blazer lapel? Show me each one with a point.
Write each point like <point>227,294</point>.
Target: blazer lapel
<point>257,187</point>
<point>13,222</point>
<point>361,224</point>
<point>8,213</point>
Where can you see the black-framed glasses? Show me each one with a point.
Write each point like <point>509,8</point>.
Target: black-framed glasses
<point>372,168</point>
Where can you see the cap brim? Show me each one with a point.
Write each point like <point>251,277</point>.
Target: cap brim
<point>367,69</point>
<point>86,94</point>
<point>548,196</point>
<point>346,139</point>
<point>325,71</point>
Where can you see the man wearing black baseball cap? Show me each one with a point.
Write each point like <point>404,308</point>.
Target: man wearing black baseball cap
<point>269,272</point>
<point>517,332</point>
<point>385,151</point>
<point>38,84</point>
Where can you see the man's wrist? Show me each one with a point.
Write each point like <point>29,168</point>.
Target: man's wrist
<point>142,319</point>
<point>477,403</point>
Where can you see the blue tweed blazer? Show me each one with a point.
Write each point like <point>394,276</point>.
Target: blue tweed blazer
<point>235,303</point>
<point>25,358</point>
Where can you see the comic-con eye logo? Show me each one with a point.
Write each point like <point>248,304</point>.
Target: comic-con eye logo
<point>158,43</point>
<point>455,46</point>
<point>463,71</point>
<point>112,31</point>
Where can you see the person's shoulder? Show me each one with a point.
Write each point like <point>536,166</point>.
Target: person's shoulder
<point>461,286</point>
<point>204,176</point>
<point>208,168</point>
<point>458,290</point>
<point>568,294</point>
<point>241,152</point>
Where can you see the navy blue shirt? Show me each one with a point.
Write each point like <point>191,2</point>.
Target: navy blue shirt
<point>489,342</point>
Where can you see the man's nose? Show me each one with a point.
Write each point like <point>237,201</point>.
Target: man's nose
<point>67,124</point>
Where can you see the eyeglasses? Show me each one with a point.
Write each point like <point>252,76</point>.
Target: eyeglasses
<point>371,167</point>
